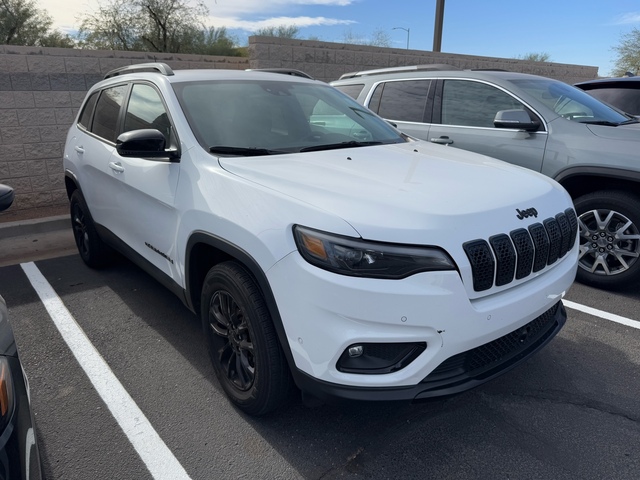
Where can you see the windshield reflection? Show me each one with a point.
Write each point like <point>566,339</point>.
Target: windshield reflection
<point>252,118</point>
<point>570,102</point>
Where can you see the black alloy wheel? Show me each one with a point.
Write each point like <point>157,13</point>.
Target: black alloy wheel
<point>243,345</point>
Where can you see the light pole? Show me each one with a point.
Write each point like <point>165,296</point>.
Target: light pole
<point>406,30</point>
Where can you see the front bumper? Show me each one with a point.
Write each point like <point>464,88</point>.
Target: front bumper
<point>458,373</point>
<point>323,314</point>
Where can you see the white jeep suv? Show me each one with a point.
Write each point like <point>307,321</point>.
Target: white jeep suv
<point>320,246</point>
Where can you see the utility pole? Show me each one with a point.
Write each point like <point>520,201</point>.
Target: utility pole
<point>437,29</point>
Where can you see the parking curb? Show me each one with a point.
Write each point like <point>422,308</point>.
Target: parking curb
<point>35,226</point>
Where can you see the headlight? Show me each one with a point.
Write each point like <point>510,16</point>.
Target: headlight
<point>6,394</point>
<point>362,258</point>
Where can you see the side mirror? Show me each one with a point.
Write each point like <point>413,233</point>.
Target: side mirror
<point>6,197</point>
<point>146,143</point>
<point>517,119</point>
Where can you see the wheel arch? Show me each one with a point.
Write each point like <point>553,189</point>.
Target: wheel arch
<point>204,251</point>
<point>580,181</point>
<point>71,183</point>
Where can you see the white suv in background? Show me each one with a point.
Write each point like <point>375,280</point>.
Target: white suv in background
<point>319,246</point>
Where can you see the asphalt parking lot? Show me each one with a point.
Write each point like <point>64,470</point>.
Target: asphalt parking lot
<point>122,387</point>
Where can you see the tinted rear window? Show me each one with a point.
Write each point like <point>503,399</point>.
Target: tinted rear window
<point>626,99</point>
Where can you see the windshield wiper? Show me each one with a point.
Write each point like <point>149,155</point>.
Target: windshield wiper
<point>243,151</point>
<point>333,146</point>
<point>606,123</point>
<point>630,121</point>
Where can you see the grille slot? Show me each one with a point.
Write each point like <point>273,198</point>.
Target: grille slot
<point>541,245</point>
<point>521,252</point>
<point>482,264</point>
<point>555,239</point>
<point>565,231</point>
<point>573,224</point>
<point>505,258</point>
<point>524,251</point>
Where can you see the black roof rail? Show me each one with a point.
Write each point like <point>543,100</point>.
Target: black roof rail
<point>285,71</point>
<point>409,68</point>
<point>159,67</point>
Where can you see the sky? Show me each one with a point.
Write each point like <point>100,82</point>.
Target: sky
<point>569,31</point>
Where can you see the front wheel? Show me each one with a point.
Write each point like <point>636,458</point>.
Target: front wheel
<point>609,224</point>
<point>93,251</point>
<point>243,344</point>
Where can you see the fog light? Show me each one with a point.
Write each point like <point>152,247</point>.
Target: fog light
<point>355,350</point>
<point>378,358</point>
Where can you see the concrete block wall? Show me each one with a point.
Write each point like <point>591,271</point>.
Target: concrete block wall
<point>327,61</point>
<point>41,90</point>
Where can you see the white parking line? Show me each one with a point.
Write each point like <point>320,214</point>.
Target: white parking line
<point>602,314</point>
<point>152,450</point>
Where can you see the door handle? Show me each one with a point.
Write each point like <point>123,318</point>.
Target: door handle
<point>442,140</point>
<point>78,149</point>
<point>116,167</point>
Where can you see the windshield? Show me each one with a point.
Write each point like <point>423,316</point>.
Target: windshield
<point>570,102</point>
<point>257,117</point>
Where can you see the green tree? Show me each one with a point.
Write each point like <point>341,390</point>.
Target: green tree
<point>535,57</point>
<point>212,41</point>
<point>628,54</point>
<point>281,31</point>
<point>23,23</point>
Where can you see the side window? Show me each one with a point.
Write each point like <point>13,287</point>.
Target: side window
<point>105,120</point>
<point>474,104</point>
<point>352,90</point>
<point>87,111</point>
<point>402,100</point>
<point>146,110</point>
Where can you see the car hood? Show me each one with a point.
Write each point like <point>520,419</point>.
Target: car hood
<point>400,192</point>
<point>622,132</point>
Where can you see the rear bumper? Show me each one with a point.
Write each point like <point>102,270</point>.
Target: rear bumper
<point>458,373</point>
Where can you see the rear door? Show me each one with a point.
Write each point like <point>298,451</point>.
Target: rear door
<point>405,103</point>
<point>463,116</point>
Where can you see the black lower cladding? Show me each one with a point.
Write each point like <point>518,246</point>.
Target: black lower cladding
<point>486,359</point>
<point>461,372</point>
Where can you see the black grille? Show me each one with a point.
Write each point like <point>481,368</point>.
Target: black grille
<point>486,357</point>
<point>521,252</point>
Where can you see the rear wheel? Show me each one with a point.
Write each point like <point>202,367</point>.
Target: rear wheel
<point>243,344</point>
<point>93,251</point>
<point>609,223</point>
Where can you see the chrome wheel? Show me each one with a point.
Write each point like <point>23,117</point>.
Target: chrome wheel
<point>609,242</point>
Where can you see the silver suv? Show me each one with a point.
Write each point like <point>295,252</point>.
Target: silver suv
<point>538,123</point>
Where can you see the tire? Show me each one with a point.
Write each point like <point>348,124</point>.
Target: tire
<point>609,224</point>
<point>93,251</point>
<point>243,344</point>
